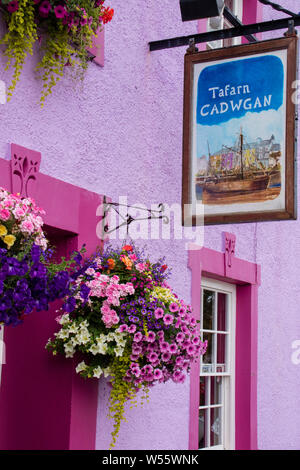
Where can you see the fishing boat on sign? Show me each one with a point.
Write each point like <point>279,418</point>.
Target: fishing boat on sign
<point>237,181</point>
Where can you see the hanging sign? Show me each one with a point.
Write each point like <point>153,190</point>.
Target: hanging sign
<point>239,133</point>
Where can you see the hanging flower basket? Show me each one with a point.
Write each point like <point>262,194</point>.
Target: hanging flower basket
<point>63,28</point>
<point>28,280</point>
<point>125,322</point>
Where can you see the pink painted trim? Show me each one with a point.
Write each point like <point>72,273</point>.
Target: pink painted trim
<point>202,28</point>
<point>246,276</point>
<point>97,48</point>
<point>252,13</point>
<point>44,404</point>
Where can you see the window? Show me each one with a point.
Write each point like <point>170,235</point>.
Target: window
<point>217,366</point>
<point>219,22</point>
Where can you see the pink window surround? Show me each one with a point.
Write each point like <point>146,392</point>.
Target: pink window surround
<point>44,404</point>
<point>225,266</point>
<point>97,48</point>
<point>252,13</point>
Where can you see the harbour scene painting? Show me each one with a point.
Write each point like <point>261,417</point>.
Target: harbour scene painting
<point>243,172</point>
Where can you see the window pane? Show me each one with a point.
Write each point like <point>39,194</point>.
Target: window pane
<point>222,302</point>
<point>216,391</point>
<point>208,358</point>
<point>208,309</point>
<point>202,391</point>
<point>215,426</point>
<point>221,341</point>
<point>202,429</point>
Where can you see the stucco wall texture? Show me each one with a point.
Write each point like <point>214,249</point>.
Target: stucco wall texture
<point>119,133</point>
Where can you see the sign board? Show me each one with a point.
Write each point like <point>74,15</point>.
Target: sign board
<point>239,133</point>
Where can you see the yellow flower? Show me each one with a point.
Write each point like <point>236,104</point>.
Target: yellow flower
<point>9,240</point>
<point>3,230</point>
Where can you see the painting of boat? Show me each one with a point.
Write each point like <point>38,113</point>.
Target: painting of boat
<point>238,185</point>
<point>241,173</point>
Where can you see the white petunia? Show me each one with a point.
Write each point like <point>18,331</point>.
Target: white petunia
<point>97,372</point>
<point>69,349</point>
<point>102,348</point>
<point>83,338</point>
<point>101,339</point>
<point>94,349</point>
<point>63,334</point>
<point>73,328</point>
<point>81,366</point>
<point>65,318</point>
<point>119,351</point>
<point>107,372</point>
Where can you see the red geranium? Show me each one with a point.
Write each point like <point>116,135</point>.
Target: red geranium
<point>107,14</point>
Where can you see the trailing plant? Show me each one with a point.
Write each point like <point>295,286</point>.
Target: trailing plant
<point>123,321</point>
<point>63,28</point>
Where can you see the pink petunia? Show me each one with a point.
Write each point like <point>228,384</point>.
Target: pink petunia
<point>45,8</point>
<point>60,11</point>
<point>123,328</point>
<point>150,337</point>
<point>138,337</point>
<point>166,356</point>
<point>173,348</point>
<point>153,357</point>
<point>13,6</point>
<point>141,267</point>
<point>158,313</point>
<point>174,307</point>
<point>4,214</point>
<point>164,346</point>
<point>168,319</point>
<point>132,329</point>
<point>180,337</point>
<point>191,350</point>
<point>157,374</point>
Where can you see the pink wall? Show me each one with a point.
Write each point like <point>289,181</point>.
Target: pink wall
<point>120,134</point>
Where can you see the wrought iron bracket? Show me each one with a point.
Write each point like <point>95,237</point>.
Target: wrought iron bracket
<point>237,31</point>
<point>128,218</point>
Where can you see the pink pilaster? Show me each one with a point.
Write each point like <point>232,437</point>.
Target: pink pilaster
<point>252,13</point>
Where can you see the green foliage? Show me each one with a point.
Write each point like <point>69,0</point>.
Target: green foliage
<point>19,39</point>
<point>64,37</point>
<point>57,53</point>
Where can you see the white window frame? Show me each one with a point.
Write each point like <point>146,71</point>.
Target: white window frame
<point>228,415</point>
<point>238,6</point>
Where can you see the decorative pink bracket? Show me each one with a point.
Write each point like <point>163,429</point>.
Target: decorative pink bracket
<point>25,166</point>
<point>97,48</point>
<point>229,242</point>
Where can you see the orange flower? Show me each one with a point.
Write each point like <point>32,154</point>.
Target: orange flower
<point>111,263</point>
<point>128,263</point>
